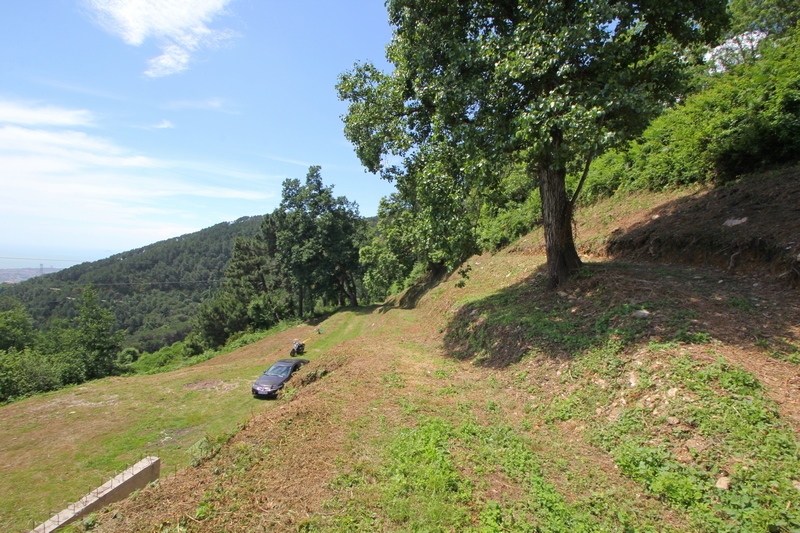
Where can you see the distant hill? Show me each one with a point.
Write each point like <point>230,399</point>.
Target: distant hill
<point>15,275</point>
<point>153,291</point>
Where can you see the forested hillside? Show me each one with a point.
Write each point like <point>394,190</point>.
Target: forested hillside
<point>152,291</point>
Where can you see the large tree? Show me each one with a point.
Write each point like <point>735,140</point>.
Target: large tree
<point>316,239</point>
<point>548,84</point>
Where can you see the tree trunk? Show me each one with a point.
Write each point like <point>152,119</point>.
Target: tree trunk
<point>562,257</point>
<point>352,293</point>
<point>300,300</point>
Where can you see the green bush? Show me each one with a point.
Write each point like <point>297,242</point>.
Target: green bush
<point>746,119</point>
<point>157,361</point>
<point>26,372</point>
<point>608,174</point>
<point>497,228</point>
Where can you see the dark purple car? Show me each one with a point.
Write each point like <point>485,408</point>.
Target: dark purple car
<point>272,380</point>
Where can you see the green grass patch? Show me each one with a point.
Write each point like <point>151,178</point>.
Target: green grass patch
<point>718,425</point>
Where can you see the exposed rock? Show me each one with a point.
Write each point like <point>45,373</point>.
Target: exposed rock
<point>672,393</point>
<point>724,483</point>
<point>734,222</point>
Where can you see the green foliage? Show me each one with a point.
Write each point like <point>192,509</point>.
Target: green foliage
<point>221,317</point>
<point>96,339</point>
<point>390,256</point>
<point>168,356</point>
<point>16,326</point>
<point>508,211</point>
<point>305,256</point>
<point>770,16</point>
<point>497,228</point>
<point>152,291</point>
<point>746,118</point>
<point>475,85</point>
<point>608,174</point>
<point>26,372</point>
<point>69,353</point>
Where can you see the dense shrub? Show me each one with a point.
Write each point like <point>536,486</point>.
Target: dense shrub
<point>499,227</point>
<point>746,119</point>
<point>16,326</point>
<point>153,362</point>
<point>26,372</point>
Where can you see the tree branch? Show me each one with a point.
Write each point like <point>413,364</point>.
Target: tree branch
<point>586,168</point>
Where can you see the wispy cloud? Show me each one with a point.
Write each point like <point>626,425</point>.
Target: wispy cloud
<point>63,185</point>
<point>180,27</point>
<point>164,125</point>
<point>208,104</point>
<point>34,114</point>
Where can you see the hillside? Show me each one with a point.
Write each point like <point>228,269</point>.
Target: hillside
<point>153,291</point>
<point>642,396</point>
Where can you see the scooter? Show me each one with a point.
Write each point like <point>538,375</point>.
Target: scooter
<point>299,348</point>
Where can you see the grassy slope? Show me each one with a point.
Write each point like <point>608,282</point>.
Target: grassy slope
<point>502,407</point>
<point>61,445</point>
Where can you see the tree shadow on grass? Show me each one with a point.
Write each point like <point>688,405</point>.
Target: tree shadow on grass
<point>316,320</point>
<point>611,302</point>
<point>411,297</point>
<point>747,226</point>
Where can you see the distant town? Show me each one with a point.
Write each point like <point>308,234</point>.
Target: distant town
<point>15,275</point>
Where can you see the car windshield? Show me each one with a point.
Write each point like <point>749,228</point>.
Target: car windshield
<point>281,371</point>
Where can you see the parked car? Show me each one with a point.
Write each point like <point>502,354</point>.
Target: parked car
<point>273,379</point>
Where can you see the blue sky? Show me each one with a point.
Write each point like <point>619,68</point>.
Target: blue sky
<point>126,122</point>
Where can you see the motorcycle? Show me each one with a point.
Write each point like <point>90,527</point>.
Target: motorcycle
<point>299,348</point>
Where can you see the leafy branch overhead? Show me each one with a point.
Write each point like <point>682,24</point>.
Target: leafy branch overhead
<point>547,84</point>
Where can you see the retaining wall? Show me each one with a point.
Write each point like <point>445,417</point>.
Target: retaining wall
<point>134,478</point>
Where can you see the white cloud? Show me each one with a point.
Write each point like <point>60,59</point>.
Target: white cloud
<point>164,124</point>
<point>30,114</point>
<point>180,27</point>
<point>62,187</point>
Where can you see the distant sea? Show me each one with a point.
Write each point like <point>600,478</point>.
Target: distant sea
<point>15,275</point>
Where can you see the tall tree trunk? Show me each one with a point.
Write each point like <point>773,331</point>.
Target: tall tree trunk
<point>352,293</point>
<point>562,257</point>
<point>300,300</point>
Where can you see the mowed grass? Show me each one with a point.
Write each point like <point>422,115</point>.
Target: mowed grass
<point>56,447</point>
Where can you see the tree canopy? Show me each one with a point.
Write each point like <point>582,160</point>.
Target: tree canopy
<point>477,85</point>
<point>306,251</point>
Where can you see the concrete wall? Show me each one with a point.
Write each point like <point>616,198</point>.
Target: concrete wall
<point>134,478</point>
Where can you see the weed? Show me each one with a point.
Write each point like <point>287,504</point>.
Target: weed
<point>743,304</point>
<point>441,373</point>
<point>393,380</point>
<point>408,407</point>
<point>288,393</point>
<point>727,417</point>
<point>204,510</point>
<point>89,522</point>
